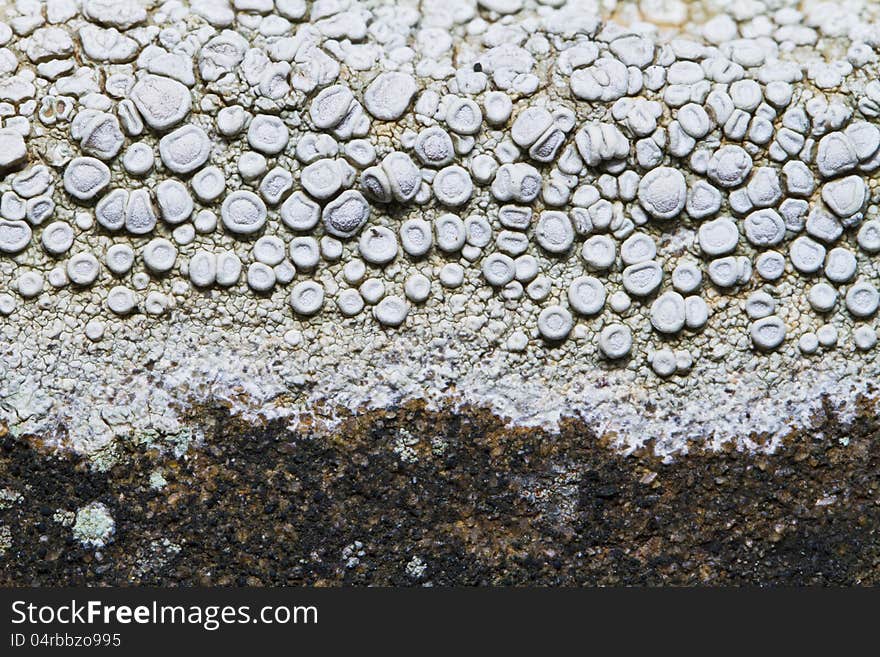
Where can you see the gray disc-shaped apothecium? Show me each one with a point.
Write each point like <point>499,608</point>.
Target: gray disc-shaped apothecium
<point>759,304</point>
<point>836,155</point>
<point>464,116</point>
<point>388,96</point>
<point>478,231</point>
<point>862,299</point>
<point>668,313</point>
<point>159,255</point>
<point>57,237</point>
<point>827,336</point>
<point>555,323</point>
<point>275,185</point>
<point>806,255</point>
<point>322,179</point>
<point>203,268</point>
<point>260,277</point>
<point>687,277</point>
<point>729,166</point>
<point>85,178</point>
<point>416,237</point>
<point>434,147</point>
<point>615,341</point>
<point>13,151</point>
<point>539,289</point>
<point>864,337</point>
<point>704,200</point>
<point>300,213</point>
<point>185,149</point>
<point>663,362</point>
<point>840,265</point>
<point>868,237</point>
<point>243,212</point>
<point>770,265</point>
<point>121,300</point>
<point>822,297</point>
<point>497,107</point>
<point>228,268</point>
<point>330,106</point>
<point>378,245</point>
<point>161,101</point>
<point>267,134</point>
<point>83,269</point>
<point>307,298</point>
<point>140,217</point>
<point>391,311</point>
<point>663,192</point>
<point>305,253</point>
<point>205,222</point>
<point>208,184</point>
<point>526,268</point>
<point>638,247</point>
<point>119,259</point>
<point>599,252</point>
<point>30,284</point>
<point>554,232</point>
<point>724,272</point>
<point>696,312</point>
<point>452,186</point>
<point>349,302</point>
<point>586,295</point>
<point>498,269</point>
<point>138,159</point>
<point>346,214</point>
<point>767,333</point>
<point>808,343</point>
<point>718,237</point>
<point>417,288</point>
<point>642,279</point>
<point>450,232</point>
<point>231,120</point>
<point>110,211</point>
<point>372,290</point>
<point>764,228</point>
<point>14,236</point>
<point>269,250</point>
<point>174,201</point>
<point>845,196</point>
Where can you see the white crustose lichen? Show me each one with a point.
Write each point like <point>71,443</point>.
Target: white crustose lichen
<point>476,194</point>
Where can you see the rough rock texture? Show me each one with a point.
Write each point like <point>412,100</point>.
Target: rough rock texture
<point>412,497</point>
<point>275,270</point>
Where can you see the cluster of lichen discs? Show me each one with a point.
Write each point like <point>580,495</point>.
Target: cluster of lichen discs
<point>368,158</point>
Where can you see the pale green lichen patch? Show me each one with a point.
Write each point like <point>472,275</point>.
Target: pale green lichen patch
<point>404,447</point>
<point>94,525</point>
<point>176,442</point>
<point>157,480</point>
<point>64,518</point>
<point>416,567</point>
<point>5,539</point>
<point>105,457</point>
<point>159,554</point>
<point>8,497</point>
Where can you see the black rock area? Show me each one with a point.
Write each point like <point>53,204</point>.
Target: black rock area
<point>409,496</point>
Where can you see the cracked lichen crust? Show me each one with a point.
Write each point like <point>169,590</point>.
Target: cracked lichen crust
<point>654,215</point>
